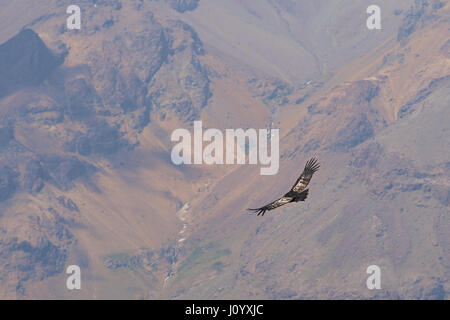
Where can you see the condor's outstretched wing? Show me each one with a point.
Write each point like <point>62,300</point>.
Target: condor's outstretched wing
<point>277,203</point>
<point>298,191</point>
<point>302,182</point>
<point>288,197</point>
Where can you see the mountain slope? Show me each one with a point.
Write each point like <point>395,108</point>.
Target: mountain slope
<point>86,176</point>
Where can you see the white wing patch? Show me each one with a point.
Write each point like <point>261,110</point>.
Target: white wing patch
<point>281,202</point>
<point>301,185</point>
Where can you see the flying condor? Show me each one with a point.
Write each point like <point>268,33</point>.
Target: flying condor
<point>298,192</point>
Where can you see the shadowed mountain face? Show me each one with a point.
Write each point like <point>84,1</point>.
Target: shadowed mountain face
<point>86,177</point>
<point>25,61</point>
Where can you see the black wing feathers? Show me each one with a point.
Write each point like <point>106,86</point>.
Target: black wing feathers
<point>302,182</point>
<point>298,192</point>
<point>301,196</point>
<point>275,204</point>
<point>311,166</point>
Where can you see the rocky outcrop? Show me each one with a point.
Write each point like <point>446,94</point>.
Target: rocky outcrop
<point>38,253</point>
<point>183,5</point>
<point>35,176</point>
<point>419,14</point>
<point>59,170</point>
<point>182,85</point>
<point>64,170</point>
<point>101,139</point>
<point>8,183</point>
<point>272,91</point>
<point>410,106</point>
<point>68,204</point>
<point>6,135</point>
<point>357,130</point>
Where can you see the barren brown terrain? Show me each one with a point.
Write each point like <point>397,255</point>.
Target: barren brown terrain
<point>86,176</point>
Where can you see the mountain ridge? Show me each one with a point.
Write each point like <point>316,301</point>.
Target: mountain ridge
<point>86,176</point>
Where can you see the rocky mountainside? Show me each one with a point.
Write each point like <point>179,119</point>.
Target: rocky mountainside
<point>86,176</point>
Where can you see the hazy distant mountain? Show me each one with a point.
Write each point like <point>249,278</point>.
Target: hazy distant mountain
<point>86,176</point>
